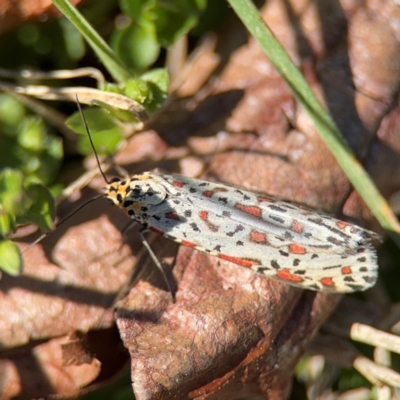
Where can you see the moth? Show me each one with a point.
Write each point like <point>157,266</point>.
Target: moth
<point>272,237</point>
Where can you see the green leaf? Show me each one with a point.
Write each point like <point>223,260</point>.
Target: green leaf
<point>137,89</point>
<point>10,257</point>
<point>7,223</point>
<point>50,161</point>
<point>158,76</point>
<point>11,110</point>
<point>98,120</point>
<point>33,134</point>
<point>43,210</point>
<point>137,45</point>
<point>158,83</point>
<point>135,9</point>
<point>12,194</point>
<point>151,89</point>
<point>110,60</point>
<point>105,142</point>
<point>28,145</point>
<point>105,133</point>
<point>170,19</point>
<point>173,19</point>
<point>110,87</point>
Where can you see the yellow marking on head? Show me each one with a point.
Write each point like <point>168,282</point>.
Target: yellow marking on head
<point>116,192</point>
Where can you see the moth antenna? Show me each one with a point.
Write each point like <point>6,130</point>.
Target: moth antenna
<point>90,140</point>
<point>41,237</point>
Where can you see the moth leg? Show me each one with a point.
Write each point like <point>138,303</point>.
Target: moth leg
<point>155,259</point>
<point>127,228</point>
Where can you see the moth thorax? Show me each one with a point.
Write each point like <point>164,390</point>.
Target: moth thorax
<point>146,191</point>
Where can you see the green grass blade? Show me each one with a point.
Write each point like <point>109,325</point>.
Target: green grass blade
<point>107,56</point>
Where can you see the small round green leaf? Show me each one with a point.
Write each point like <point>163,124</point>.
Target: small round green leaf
<point>105,142</point>
<point>7,223</point>
<point>11,110</point>
<point>106,134</point>
<point>33,134</point>
<point>42,211</point>
<point>98,120</point>
<point>137,45</point>
<point>10,257</point>
<point>12,194</point>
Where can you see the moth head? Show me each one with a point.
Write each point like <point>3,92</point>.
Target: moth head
<point>115,192</point>
<point>139,190</point>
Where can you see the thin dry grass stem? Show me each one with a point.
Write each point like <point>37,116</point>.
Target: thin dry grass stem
<point>384,393</point>
<point>56,74</point>
<point>354,394</point>
<point>376,374</point>
<point>336,348</point>
<point>375,337</point>
<point>82,181</point>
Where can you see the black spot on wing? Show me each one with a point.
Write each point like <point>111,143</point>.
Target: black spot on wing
<point>274,264</point>
<point>194,227</point>
<point>277,219</point>
<point>238,228</point>
<point>277,208</point>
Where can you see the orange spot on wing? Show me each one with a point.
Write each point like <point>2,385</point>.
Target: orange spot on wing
<point>203,215</point>
<point>327,281</point>
<point>240,261</point>
<point>208,193</point>
<point>287,276</point>
<point>178,184</point>
<point>252,210</point>
<point>297,249</point>
<point>189,244</point>
<point>341,224</point>
<point>297,226</point>
<point>346,271</point>
<point>258,237</point>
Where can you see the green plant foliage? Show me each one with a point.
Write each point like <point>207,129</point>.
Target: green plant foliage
<point>106,134</point>
<point>150,90</point>
<point>27,144</point>
<point>10,257</point>
<point>13,200</point>
<point>137,45</point>
<point>21,202</point>
<point>30,157</point>
<point>153,24</point>
<point>42,210</point>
